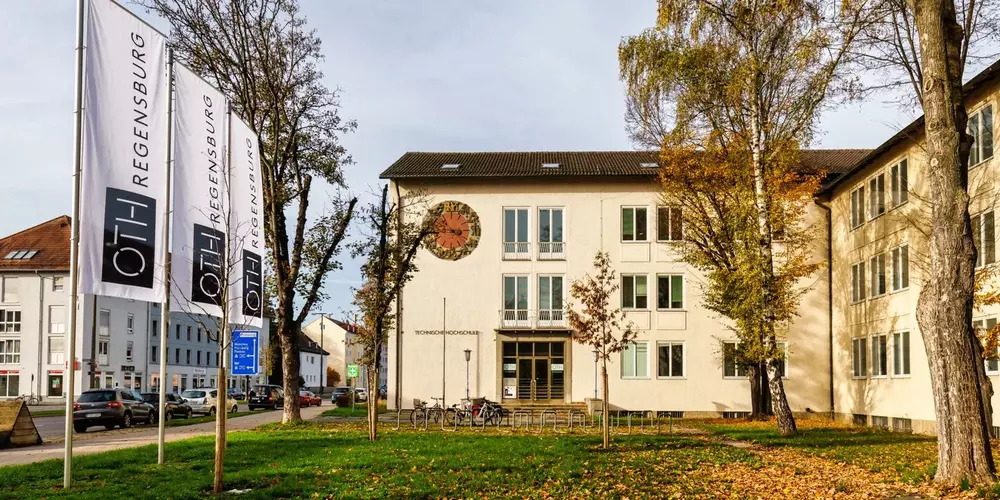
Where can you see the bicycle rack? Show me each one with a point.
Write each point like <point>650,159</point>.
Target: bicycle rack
<point>570,416</point>
<point>399,414</point>
<point>541,420</point>
<point>525,418</point>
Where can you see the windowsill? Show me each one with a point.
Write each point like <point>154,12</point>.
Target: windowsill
<point>680,309</point>
<point>901,290</point>
<point>669,241</point>
<point>900,204</point>
<point>626,242</point>
<point>738,377</point>
<point>635,378</point>
<point>876,217</point>
<point>906,376</point>
<point>632,309</point>
<point>857,377</point>
<point>879,296</point>
<point>980,163</point>
<point>671,378</point>
<point>879,377</point>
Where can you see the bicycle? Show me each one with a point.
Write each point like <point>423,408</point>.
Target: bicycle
<point>458,413</point>
<point>29,399</point>
<point>490,412</point>
<point>422,412</point>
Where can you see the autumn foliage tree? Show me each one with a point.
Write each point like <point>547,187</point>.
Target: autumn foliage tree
<point>599,323</point>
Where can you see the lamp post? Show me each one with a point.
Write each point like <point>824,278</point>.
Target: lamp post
<point>468,356</point>
<point>595,373</point>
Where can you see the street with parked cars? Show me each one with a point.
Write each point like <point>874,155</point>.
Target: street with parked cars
<point>111,408</point>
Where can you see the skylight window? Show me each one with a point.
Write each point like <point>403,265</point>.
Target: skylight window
<point>449,166</point>
<point>648,165</point>
<point>550,165</point>
<point>20,255</point>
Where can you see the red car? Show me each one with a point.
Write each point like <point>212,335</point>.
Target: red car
<point>307,398</point>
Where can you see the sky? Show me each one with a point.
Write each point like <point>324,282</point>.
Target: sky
<point>448,75</point>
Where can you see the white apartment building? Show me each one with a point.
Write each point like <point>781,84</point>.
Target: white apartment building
<point>338,339</point>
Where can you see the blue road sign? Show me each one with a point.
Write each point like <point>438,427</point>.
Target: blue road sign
<point>245,352</point>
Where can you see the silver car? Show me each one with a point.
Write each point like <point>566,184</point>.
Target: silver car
<point>206,401</point>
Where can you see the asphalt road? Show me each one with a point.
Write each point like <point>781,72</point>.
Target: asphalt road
<point>53,428</point>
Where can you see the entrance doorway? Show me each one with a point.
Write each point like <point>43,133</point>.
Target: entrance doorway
<point>534,371</point>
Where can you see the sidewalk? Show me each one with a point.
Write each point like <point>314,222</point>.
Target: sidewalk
<point>120,440</point>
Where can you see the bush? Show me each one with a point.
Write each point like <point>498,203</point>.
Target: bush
<point>344,400</point>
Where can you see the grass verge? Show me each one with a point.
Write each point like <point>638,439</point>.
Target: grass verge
<point>181,422</point>
<point>360,410</point>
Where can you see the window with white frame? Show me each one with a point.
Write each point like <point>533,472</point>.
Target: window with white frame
<point>984,236</point>
<point>515,298</point>
<point>899,184</point>
<point>858,281</point>
<point>57,319</point>
<point>880,355</point>
<point>10,321</point>
<point>669,291</point>
<point>104,323</point>
<point>901,353</point>
<point>550,298</point>
<point>731,367</point>
<point>10,351</point>
<point>876,195</point>
<point>982,327</point>
<point>634,224</point>
<point>783,365</point>
<point>900,268</point>
<point>634,291</point>
<point>103,347</point>
<point>550,233</point>
<point>9,385</point>
<point>58,284</point>
<point>981,130</point>
<point>858,206</point>
<point>670,359</point>
<point>11,287</point>
<point>635,360</point>
<point>57,350</point>
<point>128,351</point>
<point>130,324</point>
<point>859,357</point>
<point>515,232</point>
<point>669,224</point>
<point>877,265</point>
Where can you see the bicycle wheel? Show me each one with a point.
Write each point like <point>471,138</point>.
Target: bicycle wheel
<point>450,415</point>
<point>435,415</point>
<point>417,416</point>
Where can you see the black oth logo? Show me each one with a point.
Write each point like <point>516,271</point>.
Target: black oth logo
<point>252,286</point>
<point>206,273</point>
<point>129,239</point>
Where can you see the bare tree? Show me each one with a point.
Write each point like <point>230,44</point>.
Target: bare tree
<point>600,324</point>
<point>263,57</point>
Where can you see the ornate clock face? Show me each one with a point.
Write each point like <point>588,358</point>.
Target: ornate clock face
<point>456,230</point>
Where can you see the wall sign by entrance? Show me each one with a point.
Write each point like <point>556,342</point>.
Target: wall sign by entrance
<point>456,230</point>
<point>557,367</point>
<point>509,391</point>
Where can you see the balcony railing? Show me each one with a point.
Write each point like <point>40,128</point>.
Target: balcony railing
<point>532,318</point>
<point>516,250</point>
<point>551,250</point>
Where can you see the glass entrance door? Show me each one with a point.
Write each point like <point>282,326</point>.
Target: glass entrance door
<point>534,371</point>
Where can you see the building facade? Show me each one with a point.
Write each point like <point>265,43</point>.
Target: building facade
<point>339,340</point>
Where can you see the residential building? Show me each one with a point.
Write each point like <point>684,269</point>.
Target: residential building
<point>338,338</point>
<point>312,364</point>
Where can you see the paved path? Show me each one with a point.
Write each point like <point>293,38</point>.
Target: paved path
<point>106,441</point>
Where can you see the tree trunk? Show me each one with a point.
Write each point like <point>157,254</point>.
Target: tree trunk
<point>985,385</point>
<point>944,309</point>
<point>760,400</point>
<point>606,431</point>
<point>290,373</point>
<point>779,404</point>
<point>220,412</point>
<point>373,408</point>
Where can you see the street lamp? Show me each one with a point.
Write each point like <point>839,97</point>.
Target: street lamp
<point>468,356</point>
<point>595,373</point>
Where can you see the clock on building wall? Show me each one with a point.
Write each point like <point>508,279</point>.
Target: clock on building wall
<point>455,230</point>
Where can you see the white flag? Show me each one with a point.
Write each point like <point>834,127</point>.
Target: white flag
<point>246,229</point>
<point>200,200</point>
<point>124,153</point>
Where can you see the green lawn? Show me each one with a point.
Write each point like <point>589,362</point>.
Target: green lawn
<point>180,422</point>
<point>47,413</point>
<point>360,411</point>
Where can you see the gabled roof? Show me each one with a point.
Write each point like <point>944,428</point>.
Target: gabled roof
<point>424,165</point>
<point>50,242</point>
<point>307,345</point>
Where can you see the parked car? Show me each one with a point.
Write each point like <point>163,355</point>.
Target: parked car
<point>206,401</point>
<point>237,393</point>
<point>307,398</point>
<point>110,408</point>
<point>176,407</point>
<point>361,394</point>
<point>266,396</point>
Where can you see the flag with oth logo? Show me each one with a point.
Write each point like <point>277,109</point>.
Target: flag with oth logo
<point>122,247</point>
<point>246,229</point>
<point>198,260</point>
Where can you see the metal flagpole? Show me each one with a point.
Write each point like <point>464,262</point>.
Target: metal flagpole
<point>74,253</point>
<point>165,307</point>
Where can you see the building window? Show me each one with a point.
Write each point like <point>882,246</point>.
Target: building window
<point>880,362</point>
<point>634,292</point>
<point>858,282</point>
<point>515,299</point>
<point>981,130</point>
<point>982,327</point>
<point>515,233</point>
<point>58,284</point>
<point>633,223</point>
<point>10,289</point>
<point>187,356</point>
<point>104,323</point>
<point>189,333</point>
<point>130,324</point>
<point>57,319</point>
<point>216,359</point>
<point>669,225</point>
<point>57,350</point>
<point>177,332</point>
<point>199,334</point>
<point>635,360</point>
<point>10,351</point>
<point>103,347</point>
<point>198,357</point>
<point>550,233</point>
<point>899,184</point>
<point>984,236</point>
<point>128,351</point>
<point>177,356</point>
<point>900,268</point>
<point>152,354</point>
<point>670,359</point>
<point>877,264</point>
<point>10,386</point>
<point>783,365</point>
<point>858,206</point>
<point>550,299</point>
<point>730,368</point>
<point>669,291</point>
<point>901,353</point>
<point>156,329</point>
<point>859,357</point>
<point>876,196</point>
<point>55,386</point>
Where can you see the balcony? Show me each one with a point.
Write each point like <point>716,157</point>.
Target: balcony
<point>516,250</point>
<point>531,319</point>
<point>554,250</point>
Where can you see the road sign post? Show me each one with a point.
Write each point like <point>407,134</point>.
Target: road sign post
<point>246,353</point>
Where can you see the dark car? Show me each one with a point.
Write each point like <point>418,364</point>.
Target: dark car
<point>176,407</point>
<point>237,394</point>
<point>266,396</point>
<point>110,408</point>
<point>338,391</point>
